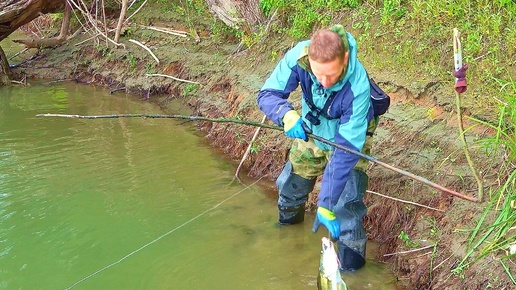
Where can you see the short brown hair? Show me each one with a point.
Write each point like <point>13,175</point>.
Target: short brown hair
<point>325,46</point>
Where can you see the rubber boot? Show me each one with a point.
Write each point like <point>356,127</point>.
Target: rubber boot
<point>293,194</point>
<point>350,210</point>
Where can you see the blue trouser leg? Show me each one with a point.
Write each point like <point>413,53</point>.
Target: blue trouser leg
<point>293,194</point>
<point>350,210</point>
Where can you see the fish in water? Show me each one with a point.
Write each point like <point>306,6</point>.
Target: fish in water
<point>329,274</point>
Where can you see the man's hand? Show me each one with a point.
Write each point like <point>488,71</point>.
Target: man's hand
<point>329,220</point>
<point>293,125</point>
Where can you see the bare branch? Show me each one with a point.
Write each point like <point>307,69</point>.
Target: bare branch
<point>249,147</point>
<point>144,47</point>
<point>171,77</point>
<point>90,19</point>
<point>411,251</point>
<point>141,6</point>
<point>164,30</point>
<point>404,201</point>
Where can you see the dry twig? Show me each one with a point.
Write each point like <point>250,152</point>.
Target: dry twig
<point>136,11</point>
<point>18,53</point>
<point>171,77</point>
<point>411,251</point>
<point>249,147</point>
<point>144,47</point>
<point>404,201</point>
<point>164,30</point>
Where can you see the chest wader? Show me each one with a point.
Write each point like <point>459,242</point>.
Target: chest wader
<point>350,210</point>
<point>293,194</point>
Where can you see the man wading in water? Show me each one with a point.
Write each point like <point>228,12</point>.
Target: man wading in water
<point>336,106</point>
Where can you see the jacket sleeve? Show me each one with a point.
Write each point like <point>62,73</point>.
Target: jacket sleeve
<point>350,134</point>
<point>272,97</point>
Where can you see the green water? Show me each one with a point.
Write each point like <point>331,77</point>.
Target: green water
<point>136,204</point>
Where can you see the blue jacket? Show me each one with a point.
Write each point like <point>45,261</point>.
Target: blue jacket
<point>350,111</point>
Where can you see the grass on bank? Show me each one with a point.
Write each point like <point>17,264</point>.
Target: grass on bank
<point>498,237</point>
<point>418,34</point>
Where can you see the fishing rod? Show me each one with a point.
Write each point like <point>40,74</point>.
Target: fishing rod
<point>309,134</point>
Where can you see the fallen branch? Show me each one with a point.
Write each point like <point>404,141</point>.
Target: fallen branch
<point>144,47</point>
<point>88,39</point>
<point>57,81</point>
<point>404,201</point>
<point>18,82</point>
<point>171,77</point>
<point>173,32</point>
<point>53,41</point>
<point>443,261</point>
<point>18,53</point>
<point>315,137</point>
<point>411,251</point>
<point>23,81</point>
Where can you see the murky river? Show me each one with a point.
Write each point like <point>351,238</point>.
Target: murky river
<point>136,204</point>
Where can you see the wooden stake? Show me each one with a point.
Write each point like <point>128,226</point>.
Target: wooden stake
<point>457,54</point>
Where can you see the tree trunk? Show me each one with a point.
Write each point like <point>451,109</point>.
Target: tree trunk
<point>237,13</point>
<point>250,11</point>
<point>65,25</point>
<point>48,42</point>
<point>15,13</point>
<point>5,71</point>
<point>121,20</point>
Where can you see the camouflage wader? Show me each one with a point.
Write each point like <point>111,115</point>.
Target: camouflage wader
<point>297,180</point>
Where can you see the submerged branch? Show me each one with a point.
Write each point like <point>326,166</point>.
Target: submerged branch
<point>222,120</point>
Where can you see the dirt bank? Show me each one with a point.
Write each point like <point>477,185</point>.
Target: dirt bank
<point>418,134</point>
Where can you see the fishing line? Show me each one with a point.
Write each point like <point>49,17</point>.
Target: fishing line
<point>160,237</point>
